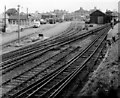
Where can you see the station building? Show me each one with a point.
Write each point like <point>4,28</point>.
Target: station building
<point>99,17</point>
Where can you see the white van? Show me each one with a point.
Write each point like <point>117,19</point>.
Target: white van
<point>36,24</point>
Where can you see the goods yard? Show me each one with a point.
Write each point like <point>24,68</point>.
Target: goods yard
<point>57,67</point>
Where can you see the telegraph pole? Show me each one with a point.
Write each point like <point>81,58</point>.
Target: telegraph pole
<point>27,17</point>
<point>5,20</point>
<point>119,31</point>
<point>18,24</point>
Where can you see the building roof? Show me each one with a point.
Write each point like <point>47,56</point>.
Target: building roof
<point>48,14</point>
<point>35,16</point>
<point>15,17</point>
<point>97,13</point>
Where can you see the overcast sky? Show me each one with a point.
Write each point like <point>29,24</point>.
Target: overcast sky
<point>50,5</point>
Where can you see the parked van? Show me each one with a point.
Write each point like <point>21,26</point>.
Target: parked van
<point>36,24</point>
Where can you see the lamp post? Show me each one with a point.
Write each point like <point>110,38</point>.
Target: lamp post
<point>18,24</point>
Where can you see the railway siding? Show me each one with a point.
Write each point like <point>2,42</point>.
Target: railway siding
<point>32,73</point>
<point>51,88</point>
<point>84,58</point>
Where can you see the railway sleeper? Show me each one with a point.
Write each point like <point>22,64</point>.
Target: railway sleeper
<point>70,70</point>
<point>30,74</point>
<point>22,79</point>
<point>50,85</point>
<point>66,72</point>
<point>37,95</point>
<point>11,94</point>
<point>35,71</point>
<point>55,81</point>
<point>40,93</point>
<point>38,68</point>
<point>87,54</point>
<point>59,77</point>
<point>43,73</point>
<point>15,83</point>
<point>91,51</point>
<point>46,89</point>
<point>93,47</point>
<point>79,62</point>
<point>26,76</point>
<point>84,56</point>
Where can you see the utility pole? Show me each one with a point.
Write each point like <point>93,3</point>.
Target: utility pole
<point>119,41</point>
<point>18,24</point>
<point>5,20</point>
<point>27,17</point>
<point>119,31</point>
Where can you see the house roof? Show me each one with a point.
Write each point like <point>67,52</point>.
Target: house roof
<point>97,13</point>
<point>15,17</point>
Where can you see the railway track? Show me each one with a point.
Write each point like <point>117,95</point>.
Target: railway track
<point>18,80</point>
<point>15,62</point>
<point>26,51</point>
<point>31,47</point>
<point>72,87</point>
<point>20,64</point>
<point>53,86</point>
<point>14,73</point>
<point>41,68</point>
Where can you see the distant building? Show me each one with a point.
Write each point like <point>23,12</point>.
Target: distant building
<point>60,14</point>
<point>80,14</point>
<point>35,17</point>
<point>97,17</point>
<point>49,17</point>
<point>14,19</point>
<point>68,17</point>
